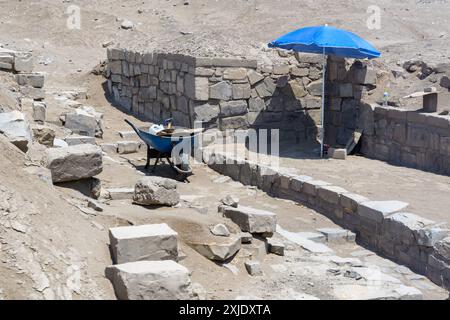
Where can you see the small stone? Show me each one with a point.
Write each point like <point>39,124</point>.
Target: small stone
<point>220,230</point>
<point>230,201</point>
<point>127,24</point>
<point>253,268</point>
<point>246,237</point>
<point>276,247</point>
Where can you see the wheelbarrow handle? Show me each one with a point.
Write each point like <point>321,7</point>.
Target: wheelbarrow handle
<point>133,126</point>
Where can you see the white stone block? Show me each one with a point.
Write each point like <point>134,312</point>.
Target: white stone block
<point>250,219</point>
<point>151,242</point>
<point>150,280</point>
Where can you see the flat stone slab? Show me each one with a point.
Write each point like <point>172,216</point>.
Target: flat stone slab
<point>313,236</point>
<point>149,280</point>
<point>126,147</point>
<point>378,210</point>
<point>146,242</point>
<point>250,219</point>
<point>77,139</point>
<point>128,135</point>
<point>376,292</point>
<point>305,243</point>
<point>337,235</point>
<point>120,193</point>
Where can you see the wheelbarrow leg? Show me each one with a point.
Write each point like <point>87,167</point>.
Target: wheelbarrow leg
<point>148,158</point>
<point>156,162</point>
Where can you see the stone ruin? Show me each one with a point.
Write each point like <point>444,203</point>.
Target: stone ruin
<point>223,93</point>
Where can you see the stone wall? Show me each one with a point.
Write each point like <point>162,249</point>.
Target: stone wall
<point>348,84</point>
<point>408,138</point>
<point>384,226</point>
<point>222,92</point>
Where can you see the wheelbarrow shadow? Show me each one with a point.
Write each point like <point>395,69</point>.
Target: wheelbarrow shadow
<point>163,169</point>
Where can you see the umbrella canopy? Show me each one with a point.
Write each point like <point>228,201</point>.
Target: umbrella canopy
<point>326,40</point>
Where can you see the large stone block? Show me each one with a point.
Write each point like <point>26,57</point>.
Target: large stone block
<point>23,62</point>
<point>206,112</point>
<point>196,88</point>
<point>233,108</point>
<point>36,80</point>
<point>330,194</point>
<point>74,163</point>
<point>311,187</point>
<point>81,122</point>
<point>350,201</point>
<point>235,74</point>
<point>241,90</point>
<point>149,280</point>
<point>156,191</point>
<point>250,219</point>
<point>378,210</point>
<point>16,128</point>
<point>221,91</point>
<point>150,242</point>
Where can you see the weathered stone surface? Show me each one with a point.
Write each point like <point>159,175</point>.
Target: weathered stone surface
<point>365,76</point>
<point>220,230</point>
<point>256,104</point>
<point>149,280</point>
<point>81,122</point>
<point>23,62</point>
<point>217,250</point>
<point>156,191</point>
<point>120,193</point>
<point>230,201</point>
<point>310,187</point>
<point>378,210</point>
<point>254,77</point>
<point>445,82</point>
<point>266,88</point>
<point>350,201</point>
<point>253,268</point>
<point>74,163</point>
<point>126,147</point>
<point>16,128</point>
<point>346,90</point>
<point>39,112</point>
<point>109,147</point>
<point>235,74</point>
<point>35,80</point>
<point>206,112</point>
<point>238,122</point>
<point>74,140</point>
<point>300,239</point>
<point>339,154</point>
<point>275,246</point>
<point>220,91</point>
<point>241,90</point>
<point>233,108</point>
<point>196,88</point>
<point>250,219</point>
<point>315,88</point>
<point>150,242</point>
<point>127,135</point>
<point>337,235</point>
<point>330,194</point>
<point>44,135</point>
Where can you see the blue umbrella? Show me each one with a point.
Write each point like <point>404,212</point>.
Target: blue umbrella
<point>326,40</point>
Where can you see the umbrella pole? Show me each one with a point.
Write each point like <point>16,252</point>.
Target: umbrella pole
<point>322,115</point>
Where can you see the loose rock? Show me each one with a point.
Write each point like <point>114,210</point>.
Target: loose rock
<point>156,191</point>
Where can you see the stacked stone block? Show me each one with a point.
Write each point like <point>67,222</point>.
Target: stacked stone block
<point>409,138</point>
<point>347,86</point>
<point>222,92</point>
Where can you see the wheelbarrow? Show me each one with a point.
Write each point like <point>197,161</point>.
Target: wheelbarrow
<point>161,146</point>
